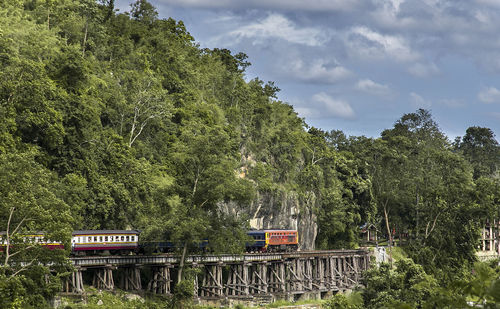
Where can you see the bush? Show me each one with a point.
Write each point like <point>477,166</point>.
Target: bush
<point>343,301</point>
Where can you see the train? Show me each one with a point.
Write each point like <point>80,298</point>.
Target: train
<point>273,240</point>
<point>126,241</point>
<point>123,242</point>
<point>97,241</point>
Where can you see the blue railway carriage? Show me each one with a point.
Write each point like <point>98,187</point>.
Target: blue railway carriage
<point>273,240</point>
<point>259,244</point>
<point>104,241</point>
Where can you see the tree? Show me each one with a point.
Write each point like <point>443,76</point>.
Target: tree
<point>481,149</point>
<point>146,101</point>
<point>406,285</point>
<point>144,12</point>
<point>29,205</point>
<point>479,289</point>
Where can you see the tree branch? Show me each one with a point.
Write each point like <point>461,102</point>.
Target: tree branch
<point>23,268</point>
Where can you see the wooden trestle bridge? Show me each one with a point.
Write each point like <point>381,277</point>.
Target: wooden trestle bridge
<point>278,275</point>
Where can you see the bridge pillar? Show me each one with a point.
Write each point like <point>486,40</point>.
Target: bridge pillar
<point>74,283</point>
<point>131,278</point>
<point>211,285</point>
<point>258,274</point>
<point>160,282</point>
<point>103,278</point>
<point>277,277</point>
<point>237,280</point>
<point>319,273</point>
<point>308,274</point>
<point>294,275</point>
<point>331,283</point>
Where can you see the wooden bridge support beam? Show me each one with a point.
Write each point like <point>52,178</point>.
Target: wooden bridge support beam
<point>131,278</point>
<point>211,285</point>
<point>331,282</point>
<point>294,275</point>
<point>74,283</point>
<point>237,283</point>
<point>103,278</point>
<point>277,279</point>
<point>319,273</point>
<point>160,282</point>
<point>258,275</point>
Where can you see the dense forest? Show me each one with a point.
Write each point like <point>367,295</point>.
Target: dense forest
<point>120,121</point>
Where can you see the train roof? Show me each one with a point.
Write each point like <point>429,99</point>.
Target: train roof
<point>99,232</point>
<point>37,233</point>
<point>270,230</point>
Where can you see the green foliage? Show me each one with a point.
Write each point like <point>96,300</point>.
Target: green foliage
<point>341,301</point>
<point>183,294</point>
<point>111,300</point>
<point>480,148</point>
<point>407,283</point>
<point>30,290</point>
<point>479,289</point>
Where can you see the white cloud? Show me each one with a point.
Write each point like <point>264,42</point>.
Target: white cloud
<point>423,70</point>
<point>324,106</point>
<point>371,87</point>
<point>310,5</point>
<point>276,26</point>
<point>489,95</point>
<point>318,71</point>
<point>419,102</point>
<point>372,44</point>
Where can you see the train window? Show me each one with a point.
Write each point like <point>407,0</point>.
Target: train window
<point>127,238</point>
<point>110,238</point>
<point>105,238</point>
<point>74,240</point>
<point>89,239</point>
<point>100,238</point>
<point>95,238</point>
<point>132,238</point>
<point>123,238</point>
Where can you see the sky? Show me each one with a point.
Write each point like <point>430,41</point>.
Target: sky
<point>359,65</point>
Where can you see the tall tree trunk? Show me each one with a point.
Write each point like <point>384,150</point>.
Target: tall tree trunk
<point>386,215</point>
<point>85,37</point>
<point>181,263</point>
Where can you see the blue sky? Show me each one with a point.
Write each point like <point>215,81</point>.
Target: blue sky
<point>358,66</point>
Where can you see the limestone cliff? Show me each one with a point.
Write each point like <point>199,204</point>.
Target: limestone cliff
<point>282,210</point>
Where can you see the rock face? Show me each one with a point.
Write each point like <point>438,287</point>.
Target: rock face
<point>279,210</point>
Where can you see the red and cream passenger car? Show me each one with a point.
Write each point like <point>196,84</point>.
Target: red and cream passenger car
<point>93,241</point>
<point>31,239</point>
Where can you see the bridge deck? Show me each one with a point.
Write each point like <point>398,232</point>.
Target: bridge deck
<point>163,259</point>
